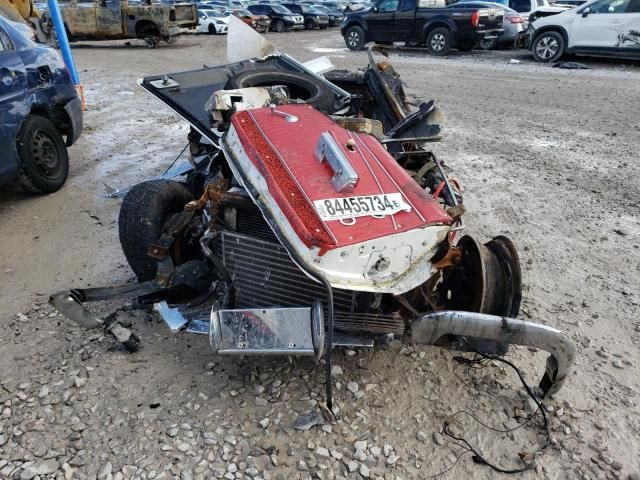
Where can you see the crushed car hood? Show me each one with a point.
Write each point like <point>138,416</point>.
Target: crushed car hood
<point>286,155</point>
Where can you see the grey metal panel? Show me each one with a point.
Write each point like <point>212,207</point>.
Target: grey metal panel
<point>265,276</point>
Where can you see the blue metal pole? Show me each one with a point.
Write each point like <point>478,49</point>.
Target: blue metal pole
<point>63,41</point>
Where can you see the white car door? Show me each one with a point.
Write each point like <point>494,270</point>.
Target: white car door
<point>598,25</point>
<point>629,33</point>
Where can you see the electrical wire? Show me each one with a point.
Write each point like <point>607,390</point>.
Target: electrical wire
<point>477,456</point>
<point>450,467</point>
<point>328,379</point>
<point>175,160</point>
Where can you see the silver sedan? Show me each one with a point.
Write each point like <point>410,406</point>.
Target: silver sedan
<point>513,23</point>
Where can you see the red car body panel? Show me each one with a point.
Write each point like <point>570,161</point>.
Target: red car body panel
<point>283,152</point>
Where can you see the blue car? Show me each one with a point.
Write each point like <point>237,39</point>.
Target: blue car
<point>40,111</point>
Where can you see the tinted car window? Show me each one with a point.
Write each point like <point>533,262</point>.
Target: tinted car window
<point>388,5</point>
<point>5,41</point>
<point>610,6</point>
<point>280,9</point>
<point>634,6</point>
<point>520,5</point>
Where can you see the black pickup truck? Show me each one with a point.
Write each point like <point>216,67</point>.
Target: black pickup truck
<point>421,22</point>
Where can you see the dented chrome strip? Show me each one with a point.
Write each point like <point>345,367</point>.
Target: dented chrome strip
<point>431,328</point>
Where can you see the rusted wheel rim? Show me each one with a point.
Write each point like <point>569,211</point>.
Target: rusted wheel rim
<point>488,279</point>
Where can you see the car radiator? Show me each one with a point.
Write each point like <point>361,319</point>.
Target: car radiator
<point>264,275</point>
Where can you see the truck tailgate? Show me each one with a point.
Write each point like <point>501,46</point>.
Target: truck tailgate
<point>186,15</point>
<point>490,19</point>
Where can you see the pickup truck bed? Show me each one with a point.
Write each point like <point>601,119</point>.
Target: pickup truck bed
<point>417,22</point>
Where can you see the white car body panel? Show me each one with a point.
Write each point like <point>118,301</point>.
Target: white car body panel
<point>614,31</point>
<point>221,24</point>
<point>595,30</point>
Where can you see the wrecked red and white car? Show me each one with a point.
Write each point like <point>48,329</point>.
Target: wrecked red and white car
<point>314,214</point>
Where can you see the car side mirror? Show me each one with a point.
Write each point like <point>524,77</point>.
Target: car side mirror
<point>586,12</point>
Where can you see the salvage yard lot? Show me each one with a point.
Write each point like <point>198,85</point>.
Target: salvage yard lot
<point>547,156</point>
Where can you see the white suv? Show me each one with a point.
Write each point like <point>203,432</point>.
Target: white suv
<point>604,28</point>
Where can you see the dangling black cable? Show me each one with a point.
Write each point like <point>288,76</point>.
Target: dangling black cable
<point>175,160</point>
<point>477,456</point>
<point>328,383</point>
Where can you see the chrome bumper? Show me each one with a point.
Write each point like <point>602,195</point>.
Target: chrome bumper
<point>300,331</point>
<point>260,331</point>
<point>433,329</point>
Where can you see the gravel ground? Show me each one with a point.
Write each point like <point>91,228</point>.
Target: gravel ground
<point>547,156</point>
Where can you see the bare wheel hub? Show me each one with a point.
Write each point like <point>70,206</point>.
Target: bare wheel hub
<point>487,280</point>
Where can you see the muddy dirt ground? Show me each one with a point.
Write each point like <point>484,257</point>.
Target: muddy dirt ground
<point>547,156</point>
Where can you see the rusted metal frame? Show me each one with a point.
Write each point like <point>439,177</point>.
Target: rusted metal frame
<point>446,180</point>
<point>398,109</point>
<point>451,258</point>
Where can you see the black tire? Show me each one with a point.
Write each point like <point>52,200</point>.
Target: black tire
<point>438,41</point>
<point>279,26</point>
<point>548,47</point>
<point>301,86</point>
<point>42,154</point>
<point>465,46</point>
<point>309,25</point>
<point>488,43</point>
<point>211,29</point>
<point>354,38</point>
<point>144,211</point>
